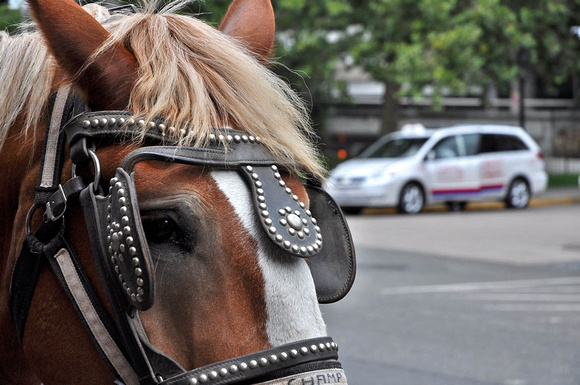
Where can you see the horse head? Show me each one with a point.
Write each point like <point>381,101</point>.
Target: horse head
<point>191,242</point>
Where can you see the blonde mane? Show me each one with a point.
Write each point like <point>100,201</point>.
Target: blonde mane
<point>26,75</point>
<point>190,73</point>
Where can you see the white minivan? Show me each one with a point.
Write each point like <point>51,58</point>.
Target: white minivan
<point>413,167</point>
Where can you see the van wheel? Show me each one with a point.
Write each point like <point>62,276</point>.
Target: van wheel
<point>518,195</point>
<point>456,206</point>
<point>412,199</point>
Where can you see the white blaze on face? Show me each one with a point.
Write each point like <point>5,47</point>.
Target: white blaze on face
<point>292,306</point>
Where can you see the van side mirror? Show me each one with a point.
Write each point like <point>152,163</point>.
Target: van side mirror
<point>430,155</point>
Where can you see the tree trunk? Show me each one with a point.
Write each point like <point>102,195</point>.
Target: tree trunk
<point>390,108</point>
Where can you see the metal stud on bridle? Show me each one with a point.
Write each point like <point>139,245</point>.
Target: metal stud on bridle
<point>126,247</point>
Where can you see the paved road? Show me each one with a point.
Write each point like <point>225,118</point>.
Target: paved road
<point>430,309</point>
<point>534,236</point>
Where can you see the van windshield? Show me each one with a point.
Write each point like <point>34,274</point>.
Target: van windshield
<point>394,148</point>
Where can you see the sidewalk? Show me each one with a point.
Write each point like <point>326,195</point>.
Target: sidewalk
<point>558,195</point>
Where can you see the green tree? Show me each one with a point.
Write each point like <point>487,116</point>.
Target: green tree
<point>497,46</point>
<point>549,38</point>
<point>309,45</point>
<point>448,45</point>
<point>451,45</point>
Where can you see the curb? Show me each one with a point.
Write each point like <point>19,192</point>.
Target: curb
<point>480,206</point>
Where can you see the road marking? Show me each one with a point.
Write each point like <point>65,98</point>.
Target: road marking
<point>516,381</point>
<point>572,289</point>
<point>477,286</point>
<point>522,297</point>
<point>533,308</point>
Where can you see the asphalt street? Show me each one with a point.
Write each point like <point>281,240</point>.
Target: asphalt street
<point>479,297</point>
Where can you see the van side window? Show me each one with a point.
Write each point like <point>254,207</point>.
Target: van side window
<point>511,143</point>
<point>499,142</point>
<point>446,148</point>
<point>471,144</point>
<point>488,143</point>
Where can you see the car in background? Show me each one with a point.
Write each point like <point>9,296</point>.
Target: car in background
<point>413,167</point>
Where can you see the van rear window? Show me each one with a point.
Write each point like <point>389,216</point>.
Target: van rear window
<point>498,142</point>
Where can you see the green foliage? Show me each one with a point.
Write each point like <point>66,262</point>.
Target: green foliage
<point>309,46</point>
<point>307,43</point>
<point>563,180</point>
<point>9,18</point>
<point>446,44</point>
<point>551,48</point>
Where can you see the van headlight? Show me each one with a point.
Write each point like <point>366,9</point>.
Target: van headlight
<point>381,177</point>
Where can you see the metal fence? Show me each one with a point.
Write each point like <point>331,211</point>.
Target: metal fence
<point>563,165</point>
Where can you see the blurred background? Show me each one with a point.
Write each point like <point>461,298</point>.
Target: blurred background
<point>481,296</point>
<point>369,67</point>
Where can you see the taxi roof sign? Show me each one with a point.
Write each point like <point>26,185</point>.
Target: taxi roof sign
<point>415,128</point>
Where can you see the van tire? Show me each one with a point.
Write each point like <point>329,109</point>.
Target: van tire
<point>411,199</point>
<point>518,194</point>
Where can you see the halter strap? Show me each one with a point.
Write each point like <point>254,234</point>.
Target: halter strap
<point>51,159</point>
<point>29,262</point>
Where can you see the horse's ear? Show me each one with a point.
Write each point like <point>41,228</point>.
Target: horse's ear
<point>253,22</point>
<point>73,35</point>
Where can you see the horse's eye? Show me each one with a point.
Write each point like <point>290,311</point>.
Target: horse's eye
<point>161,230</point>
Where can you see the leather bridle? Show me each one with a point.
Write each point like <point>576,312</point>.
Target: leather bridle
<point>122,255</point>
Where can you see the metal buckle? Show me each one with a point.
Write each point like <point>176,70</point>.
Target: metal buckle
<point>49,215</point>
<point>97,169</point>
<point>124,8</point>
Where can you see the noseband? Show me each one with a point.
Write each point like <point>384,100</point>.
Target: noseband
<point>318,233</point>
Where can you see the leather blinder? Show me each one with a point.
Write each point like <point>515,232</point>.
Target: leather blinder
<point>334,267</point>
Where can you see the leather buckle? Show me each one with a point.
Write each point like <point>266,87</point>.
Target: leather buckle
<point>56,206</point>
